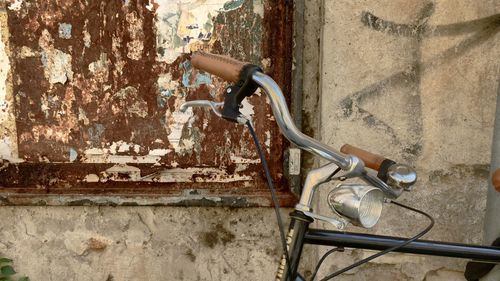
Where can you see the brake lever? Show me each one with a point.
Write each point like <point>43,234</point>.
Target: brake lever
<point>202,103</point>
<point>241,119</point>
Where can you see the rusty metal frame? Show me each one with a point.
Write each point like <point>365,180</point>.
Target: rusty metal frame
<point>18,187</point>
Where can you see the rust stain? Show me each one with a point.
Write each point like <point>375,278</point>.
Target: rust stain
<point>92,92</point>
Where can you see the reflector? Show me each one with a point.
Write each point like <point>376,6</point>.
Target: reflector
<point>361,204</point>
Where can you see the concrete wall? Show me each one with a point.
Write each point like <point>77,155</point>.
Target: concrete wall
<point>415,81</point>
<point>423,95</point>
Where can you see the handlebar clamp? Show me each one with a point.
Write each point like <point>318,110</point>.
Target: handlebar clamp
<point>236,93</point>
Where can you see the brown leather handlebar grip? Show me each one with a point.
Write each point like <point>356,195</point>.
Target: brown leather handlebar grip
<point>225,67</point>
<point>372,161</point>
<point>495,179</point>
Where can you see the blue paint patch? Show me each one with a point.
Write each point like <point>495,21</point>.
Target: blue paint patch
<point>187,73</point>
<point>203,79</point>
<point>162,98</point>
<point>44,59</point>
<point>65,30</point>
<point>233,4</point>
<point>72,155</point>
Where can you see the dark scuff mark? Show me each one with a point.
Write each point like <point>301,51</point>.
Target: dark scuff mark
<point>477,171</point>
<point>191,256</point>
<point>218,235</point>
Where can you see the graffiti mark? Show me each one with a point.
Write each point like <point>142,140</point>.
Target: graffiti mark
<point>481,30</point>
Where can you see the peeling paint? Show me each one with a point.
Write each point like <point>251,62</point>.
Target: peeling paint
<point>136,46</point>
<point>128,100</point>
<point>57,64</point>
<point>65,30</point>
<point>72,154</point>
<point>8,135</point>
<point>180,119</point>
<point>184,25</point>
<point>267,142</point>
<point>95,87</point>
<point>16,5</point>
<point>122,172</point>
<point>247,108</point>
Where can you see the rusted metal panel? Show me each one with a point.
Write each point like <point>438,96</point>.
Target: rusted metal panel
<point>90,92</point>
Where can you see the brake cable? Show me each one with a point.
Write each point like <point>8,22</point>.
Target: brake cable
<point>363,261</point>
<point>273,193</point>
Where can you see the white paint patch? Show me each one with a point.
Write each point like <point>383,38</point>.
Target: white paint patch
<point>159,152</point>
<point>165,81</point>
<point>240,160</point>
<point>179,120</point>
<point>182,24</point>
<point>91,178</point>
<point>247,108</point>
<point>258,8</point>
<point>27,52</point>
<point>87,39</point>
<point>205,124</point>
<point>123,172</point>
<point>8,134</point>
<point>109,155</point>
<point>136,46</point>
<point>139,107</point>
<point>100,66</point>
<point>4,72</point>
<point>267,142</point>
<point>5,150</point>
<point>82,116</point>
<point>119,146</point>
<point>16,5</point>
<point>186,175</point>
<point>57,64</point>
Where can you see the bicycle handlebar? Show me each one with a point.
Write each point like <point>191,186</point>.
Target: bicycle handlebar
<point>231,70</point>
<point>225,67</point>
<point>246,75</point>
<point>495,179</point>
<point>372,160</point>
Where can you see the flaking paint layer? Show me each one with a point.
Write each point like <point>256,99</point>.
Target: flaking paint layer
<point>102,83</point>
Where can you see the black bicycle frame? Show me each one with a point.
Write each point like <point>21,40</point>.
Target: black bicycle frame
<point>300,234</point>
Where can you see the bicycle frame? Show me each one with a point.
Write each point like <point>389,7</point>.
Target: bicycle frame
<point>300,234</point>
<point>351,166</point>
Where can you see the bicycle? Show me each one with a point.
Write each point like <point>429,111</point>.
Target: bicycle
<point>358,204</point>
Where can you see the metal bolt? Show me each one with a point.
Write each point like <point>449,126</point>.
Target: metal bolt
<point>228,90</point>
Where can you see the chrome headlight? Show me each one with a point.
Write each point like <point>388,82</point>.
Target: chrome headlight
<point>361,204</point>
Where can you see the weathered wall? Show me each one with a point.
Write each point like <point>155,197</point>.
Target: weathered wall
<point>128,243</point>
<point>92,97</point>
<point>416,81</point>
<point>423,96</point>
<point>140,243</point>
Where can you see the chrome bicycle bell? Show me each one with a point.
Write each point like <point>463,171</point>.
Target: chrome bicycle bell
<point>401,176</point>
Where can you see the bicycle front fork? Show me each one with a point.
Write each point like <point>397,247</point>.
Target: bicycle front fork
<point>299,225</point>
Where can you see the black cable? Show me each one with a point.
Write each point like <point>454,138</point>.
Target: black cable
<point>273,193</point>
<point>325,255</point>
<point>390,249</point>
